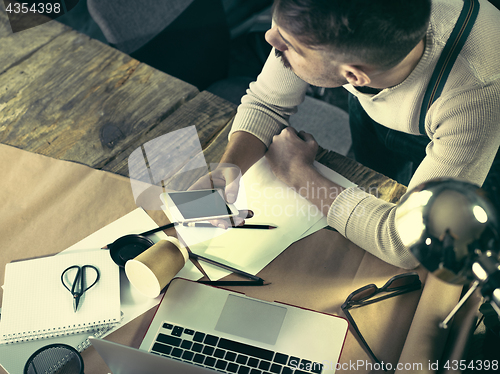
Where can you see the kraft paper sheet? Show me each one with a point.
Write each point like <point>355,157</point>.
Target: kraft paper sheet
<point>49,205</point>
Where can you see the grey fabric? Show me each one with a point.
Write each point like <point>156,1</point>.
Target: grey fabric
<point>327,123</point>
<point>79,19</point>
<point>129,24</point>
<point>242,15</point>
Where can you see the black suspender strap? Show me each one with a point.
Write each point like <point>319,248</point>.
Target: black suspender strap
<point>448,56</point>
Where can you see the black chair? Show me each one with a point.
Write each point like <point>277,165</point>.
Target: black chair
<point>193,47</point>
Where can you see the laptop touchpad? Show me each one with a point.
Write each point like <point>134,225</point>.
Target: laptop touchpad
<point>251,319</point>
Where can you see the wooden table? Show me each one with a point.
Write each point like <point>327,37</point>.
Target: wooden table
<point>72,98</point>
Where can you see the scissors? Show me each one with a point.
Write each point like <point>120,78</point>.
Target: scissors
<point>78,285</point>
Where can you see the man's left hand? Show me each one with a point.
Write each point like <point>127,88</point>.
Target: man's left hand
<point>291,152</point>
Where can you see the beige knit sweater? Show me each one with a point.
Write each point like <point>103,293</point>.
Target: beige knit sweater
<point>463,124</point>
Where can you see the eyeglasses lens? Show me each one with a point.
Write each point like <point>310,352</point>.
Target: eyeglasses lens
<point>402,282</point>
<point>365,293</point>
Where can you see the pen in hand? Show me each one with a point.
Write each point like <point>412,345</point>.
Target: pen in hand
<point>245,226</point>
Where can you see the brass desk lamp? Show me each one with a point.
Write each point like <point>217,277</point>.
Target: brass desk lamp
<point>452,229</point>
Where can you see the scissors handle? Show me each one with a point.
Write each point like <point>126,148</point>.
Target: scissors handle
<point>83,276</point>
<point>78,285</point>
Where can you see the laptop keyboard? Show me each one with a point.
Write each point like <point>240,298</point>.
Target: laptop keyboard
<point>224,355</point>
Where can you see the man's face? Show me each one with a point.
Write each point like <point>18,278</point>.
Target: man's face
<point>314,66</point>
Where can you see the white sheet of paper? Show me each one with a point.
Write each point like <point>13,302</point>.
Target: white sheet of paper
<point>333,175</point>
<point>273,203</point>
<point>37,282</point>
<point>133,303</point>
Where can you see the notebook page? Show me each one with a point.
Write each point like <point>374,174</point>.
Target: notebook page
<point>273,202</point>
<point>37,305</point>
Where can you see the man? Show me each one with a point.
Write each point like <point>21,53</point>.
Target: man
<point>384,53</point>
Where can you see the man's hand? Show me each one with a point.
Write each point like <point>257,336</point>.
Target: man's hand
<point>290,153</point>
<point>243,150</point>
<point>291,156</point>
<point>225,177</point>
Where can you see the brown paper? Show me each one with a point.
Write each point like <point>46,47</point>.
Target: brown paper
<point>438,299</point>
<point>48,205</point>
<point>320,271</point>
<point>153,269</point>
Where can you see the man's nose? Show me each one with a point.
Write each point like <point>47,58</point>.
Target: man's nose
<point>274,38</point>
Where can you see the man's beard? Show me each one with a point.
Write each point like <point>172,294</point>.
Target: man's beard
<point>284,61</point>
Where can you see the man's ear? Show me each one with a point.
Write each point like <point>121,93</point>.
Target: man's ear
<point>355,75</point>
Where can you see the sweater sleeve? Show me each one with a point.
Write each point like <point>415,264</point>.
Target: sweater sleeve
<point>368,222</point>
<point>462,125</point>
<point>265,109</point>
<point>465,136</point>
<point>464,132</point>
<point>264,112</point>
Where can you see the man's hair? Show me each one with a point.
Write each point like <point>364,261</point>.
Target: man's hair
<point>376,32</point>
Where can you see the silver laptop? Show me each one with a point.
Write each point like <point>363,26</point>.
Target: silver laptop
<point>201,329</point>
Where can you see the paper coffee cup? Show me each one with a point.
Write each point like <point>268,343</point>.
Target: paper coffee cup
<point>154,268</point>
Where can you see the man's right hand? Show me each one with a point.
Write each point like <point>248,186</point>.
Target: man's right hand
<point>243,150</point>
<point>226,177</point>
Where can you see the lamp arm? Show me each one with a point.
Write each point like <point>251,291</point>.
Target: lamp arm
<point>487,270</point>
<point>444,324</point>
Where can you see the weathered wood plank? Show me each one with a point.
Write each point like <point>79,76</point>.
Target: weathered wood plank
<point>77,99</point>
<point>171,156</point>
<point>31,38</point>
<point>375,183</point>
<point>212,153</point>
<point>16,22</point>
<point>23,21</point>
<point>5,29</point>
<point>17,47</point>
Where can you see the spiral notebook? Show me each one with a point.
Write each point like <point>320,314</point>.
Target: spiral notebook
<point>36,305</point>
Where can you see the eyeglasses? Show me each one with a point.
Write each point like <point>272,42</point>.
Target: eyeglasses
<point>395,286</point>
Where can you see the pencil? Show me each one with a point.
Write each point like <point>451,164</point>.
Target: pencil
<point>230,268</point>
<point>235,283</point>
<point>245,226</point>
<point>146,233</point>
<point>164,227</point>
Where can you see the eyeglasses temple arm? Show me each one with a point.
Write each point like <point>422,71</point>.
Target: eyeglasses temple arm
<point>361,338</point>
<point>387,296</point>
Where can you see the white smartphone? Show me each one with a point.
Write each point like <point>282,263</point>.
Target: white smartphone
<point>198,205</point>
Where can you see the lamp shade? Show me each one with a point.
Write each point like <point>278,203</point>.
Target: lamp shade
<point>447,224</point>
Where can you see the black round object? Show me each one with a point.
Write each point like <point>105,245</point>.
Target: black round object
<point>55,358</point>
<point>128,247</point>
<point>448,225</point>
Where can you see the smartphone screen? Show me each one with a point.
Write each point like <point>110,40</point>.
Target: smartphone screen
<point>199,204</point>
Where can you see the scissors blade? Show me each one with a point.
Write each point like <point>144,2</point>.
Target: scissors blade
<point>76,301</point>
